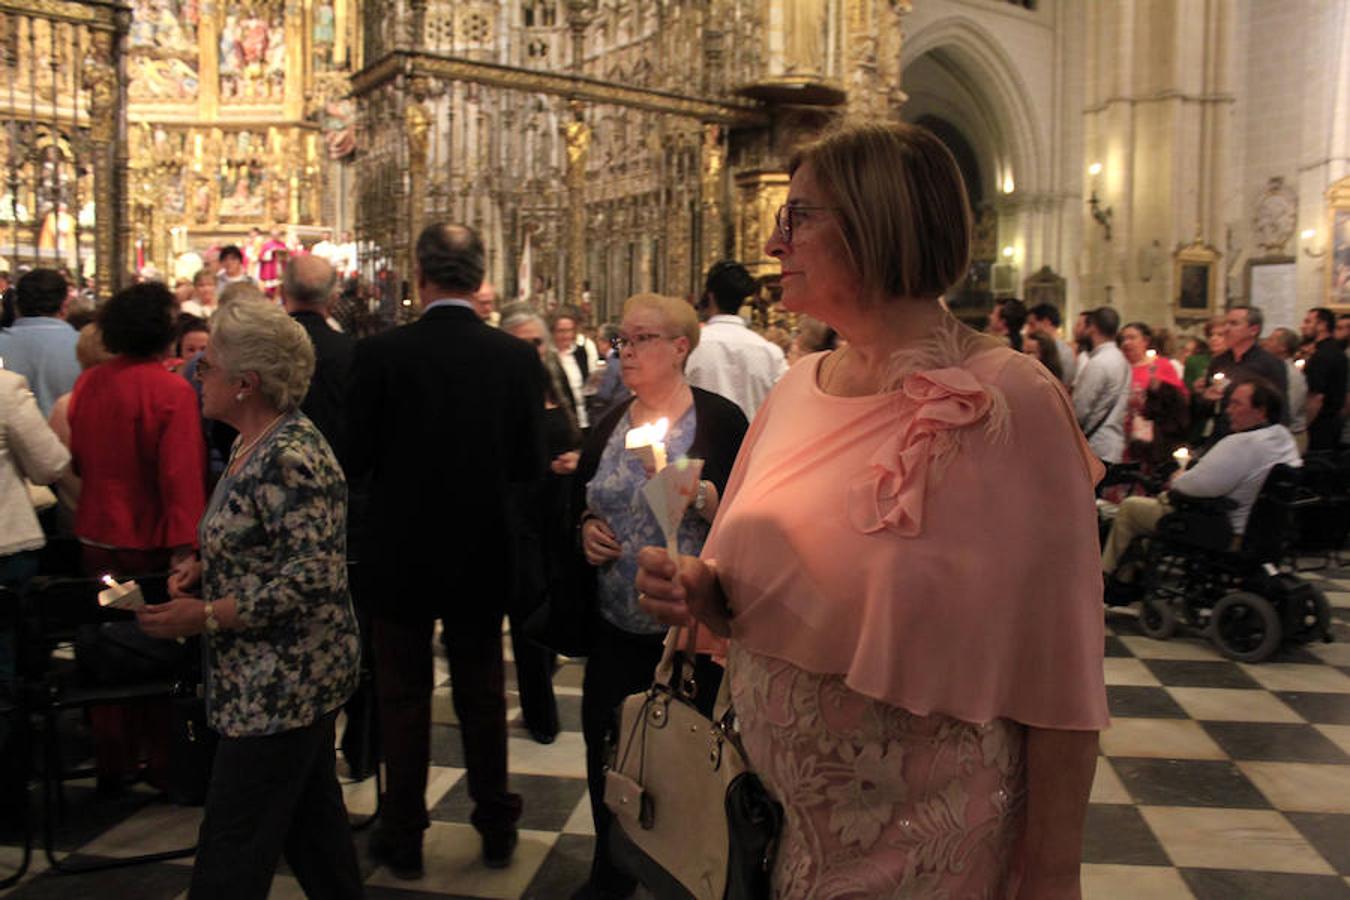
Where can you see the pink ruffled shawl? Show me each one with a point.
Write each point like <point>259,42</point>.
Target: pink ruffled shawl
<point>935,545</point>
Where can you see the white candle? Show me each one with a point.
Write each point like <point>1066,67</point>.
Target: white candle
<point>126,595</point>
<point>647,442</point>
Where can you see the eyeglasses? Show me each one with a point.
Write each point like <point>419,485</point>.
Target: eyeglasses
<point>789,214</point>
<point>637,341</point>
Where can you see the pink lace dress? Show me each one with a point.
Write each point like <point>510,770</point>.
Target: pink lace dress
<point>878,802</point>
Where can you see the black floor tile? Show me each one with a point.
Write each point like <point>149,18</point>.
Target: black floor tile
<point>1275,742</point>
<point>1142,702</point>
<point>1187,673</point>
<point>1319,709</point>
<point>87,815</point>
<point>1329,833</point>
<point>549,801</point>
<point>447,749</point>
<point>1116,834</point>
<point>566,868</point>
<point>1228,884</point>
<point>1188,782</point>
<point>153,881</point>
<point>1116,647</point>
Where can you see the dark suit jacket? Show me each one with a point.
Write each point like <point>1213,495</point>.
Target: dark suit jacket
<point>326,402</point>
<point>445,415</point>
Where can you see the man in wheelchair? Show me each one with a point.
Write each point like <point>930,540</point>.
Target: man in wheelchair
<point>1235,468</point>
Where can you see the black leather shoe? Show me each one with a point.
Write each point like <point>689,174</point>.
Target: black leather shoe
<point>403,860</point>
<point>543,737</point>
<point>499,848</point>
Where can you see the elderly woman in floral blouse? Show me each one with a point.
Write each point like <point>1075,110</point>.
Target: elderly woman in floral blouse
<point>275,608</point>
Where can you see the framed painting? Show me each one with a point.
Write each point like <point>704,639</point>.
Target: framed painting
<point>1338,266</point>
<point>1195,287</point>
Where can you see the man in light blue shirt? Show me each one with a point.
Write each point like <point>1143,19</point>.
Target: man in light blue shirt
<point>40,346</point>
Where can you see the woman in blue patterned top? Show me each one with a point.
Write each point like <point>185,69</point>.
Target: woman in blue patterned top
<point>655,339</point>
<point>270,593</point>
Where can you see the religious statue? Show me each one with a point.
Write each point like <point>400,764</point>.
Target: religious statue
<point>578,136</point>
<point>416,124</point>
<point>58,234</point>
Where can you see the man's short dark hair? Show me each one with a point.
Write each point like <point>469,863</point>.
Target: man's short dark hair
<point>1013,312</point>
<point>1265,396</point>
<point>1106,320</point>
<point>41,293</point>
<point>451,257</point>
<point>729,283</point>
<point>1254,315</point>
<point>1046,312</point>
<point>1325,316</point>
<point>138,321</point>
<point>230,250</point>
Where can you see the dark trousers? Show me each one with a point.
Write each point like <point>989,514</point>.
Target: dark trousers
<point>273,794</point>
<point>534,680</point>
<point>403,683</point>
<point>620,664</point>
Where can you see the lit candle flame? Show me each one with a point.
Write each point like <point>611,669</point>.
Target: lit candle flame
<point>647,435</point>
<point>1182,455</point>
<point>1300,363</point>
<point>110,582</point>
<point>1219,376</point>
<point>1151,353</point>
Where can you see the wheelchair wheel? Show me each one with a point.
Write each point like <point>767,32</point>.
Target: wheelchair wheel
<point>1157,618</point>
<point>1245,627</point>
<point>1315,620</point>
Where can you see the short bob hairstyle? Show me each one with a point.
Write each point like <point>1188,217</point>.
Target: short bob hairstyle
<point>900,202</point>
<point>679,317</point>
<point>249,336</point>
<point>138,321</point>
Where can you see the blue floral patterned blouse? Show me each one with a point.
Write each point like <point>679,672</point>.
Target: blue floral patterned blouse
<point>615,494</point>
<point>274,537</point>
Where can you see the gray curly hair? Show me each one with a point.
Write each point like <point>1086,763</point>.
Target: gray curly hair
<point>259,337</point>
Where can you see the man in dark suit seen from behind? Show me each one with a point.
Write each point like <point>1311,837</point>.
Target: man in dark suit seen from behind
<point>307,289</point>
<point>446,413</point>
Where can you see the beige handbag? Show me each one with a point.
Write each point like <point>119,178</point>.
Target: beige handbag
<point>694,820</point>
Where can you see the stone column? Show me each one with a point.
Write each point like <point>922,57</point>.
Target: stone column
<point>577,134</point>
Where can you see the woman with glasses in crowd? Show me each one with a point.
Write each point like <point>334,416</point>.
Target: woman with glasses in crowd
<point>270,594</point>
<point>655,338</point>
<point>917,674</point>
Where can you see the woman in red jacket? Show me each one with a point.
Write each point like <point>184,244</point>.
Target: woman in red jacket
<point>136,443</point>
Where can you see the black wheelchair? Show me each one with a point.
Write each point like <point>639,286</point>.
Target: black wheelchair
<point>1241,594</point>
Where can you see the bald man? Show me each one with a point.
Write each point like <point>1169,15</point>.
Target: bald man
<point>306,290</point>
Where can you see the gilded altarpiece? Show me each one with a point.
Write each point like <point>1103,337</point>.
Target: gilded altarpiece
<point>239,120</point>
<point>602,147</point>
<point>61,134</point>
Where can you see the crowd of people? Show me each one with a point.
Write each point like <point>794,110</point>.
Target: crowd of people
<point>317,499</point>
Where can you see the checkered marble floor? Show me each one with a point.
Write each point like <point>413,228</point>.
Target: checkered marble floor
<point>1216,780</point>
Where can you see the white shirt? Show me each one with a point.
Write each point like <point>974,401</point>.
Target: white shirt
<point>733,361</point>
<point>1237,466</point>
<point>575,381</point>
<point>1296,398</point>
<point>1101,394</point>
<point>1068,361</point>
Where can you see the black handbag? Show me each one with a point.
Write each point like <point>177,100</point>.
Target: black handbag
<point>692,820</point>
<point>192,747</point>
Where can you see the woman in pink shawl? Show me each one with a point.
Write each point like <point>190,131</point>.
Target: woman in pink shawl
<point>905,565</point>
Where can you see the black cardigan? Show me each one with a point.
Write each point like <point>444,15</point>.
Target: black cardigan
<point>719,428</point>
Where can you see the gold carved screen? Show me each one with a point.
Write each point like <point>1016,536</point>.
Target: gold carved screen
<point>59,132</point>
<point>239,119</point>
<point>602,147</point>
